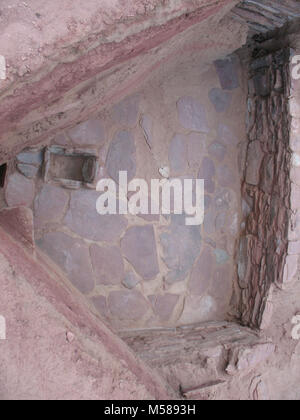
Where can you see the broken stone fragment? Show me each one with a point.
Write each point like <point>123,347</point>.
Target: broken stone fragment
<point>70,337</point>
<point>57,150</point>
<point>244,359</point>
<point>130,280</point>
<point>164,172</point>
<point>205,391</point>
<point>19,191</point>
<point>139,248</point>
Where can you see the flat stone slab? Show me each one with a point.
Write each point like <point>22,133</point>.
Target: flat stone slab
<point>181,246</point>
<point>49,205</point>
<point>139,247</point>
<point>83,219</point>
<point>72,255</point>
<point>127,305</point>
<point>19,191</point>
<point>121,156</point>
<point>107,264</point>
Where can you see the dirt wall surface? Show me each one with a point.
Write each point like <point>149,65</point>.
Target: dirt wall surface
<point>61,75</point>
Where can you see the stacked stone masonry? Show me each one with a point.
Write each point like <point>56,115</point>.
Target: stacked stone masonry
<point>149,270</point>
<point>266,188</point>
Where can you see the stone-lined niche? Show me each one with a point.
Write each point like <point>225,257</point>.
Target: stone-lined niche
<point>266,187</point>
<point>71,168</point>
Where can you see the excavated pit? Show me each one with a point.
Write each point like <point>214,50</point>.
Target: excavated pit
<point>147,270</point>
<point>168,288</point>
